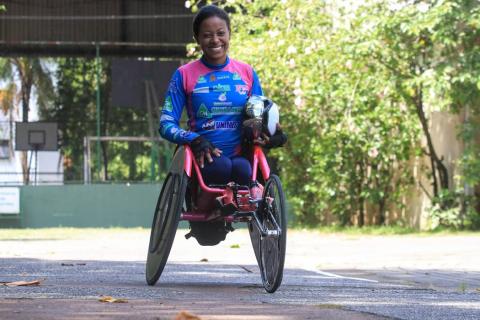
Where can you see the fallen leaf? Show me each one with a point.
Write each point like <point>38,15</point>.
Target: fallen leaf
<point>111,299</point>
<point>22,283</point>
<point>235,246</point>
<point>246,269</point>
<point>184,315</point>
<point>67,264</point>
<point>81,264</point>
<point>204,260</point>
<point>328,306</point>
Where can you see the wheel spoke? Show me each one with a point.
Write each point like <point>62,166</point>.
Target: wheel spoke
<point>164,226</point>
<point>272,248</point>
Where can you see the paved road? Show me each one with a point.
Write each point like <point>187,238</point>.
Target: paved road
<point>326,277</point>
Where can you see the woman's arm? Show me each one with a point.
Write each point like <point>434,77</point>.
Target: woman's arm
<point>172,111</point>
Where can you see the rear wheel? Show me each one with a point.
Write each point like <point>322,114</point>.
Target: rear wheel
<point>272,246</point>
<point>165,223</point>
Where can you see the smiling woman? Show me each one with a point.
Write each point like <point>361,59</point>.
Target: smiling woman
<point>214,90</point>
<point>212,32</point>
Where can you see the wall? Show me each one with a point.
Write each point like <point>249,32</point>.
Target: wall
<point>85,206</point>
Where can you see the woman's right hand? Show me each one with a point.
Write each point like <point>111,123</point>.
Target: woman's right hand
<point>203,149</point>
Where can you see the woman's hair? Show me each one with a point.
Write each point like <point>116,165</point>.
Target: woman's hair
<point>208,12</point>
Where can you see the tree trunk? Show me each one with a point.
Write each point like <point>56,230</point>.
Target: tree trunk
<point>26,80</point>
<point>439,171</point>
<point>361,199</point>
<point>25,168</point>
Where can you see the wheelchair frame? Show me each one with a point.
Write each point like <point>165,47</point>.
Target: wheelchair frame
<point>265,215</point>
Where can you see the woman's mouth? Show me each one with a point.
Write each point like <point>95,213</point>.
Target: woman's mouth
<point>216,49</point>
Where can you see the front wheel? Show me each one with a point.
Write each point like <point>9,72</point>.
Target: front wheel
<point>164,225</point>
<point>272,247</point>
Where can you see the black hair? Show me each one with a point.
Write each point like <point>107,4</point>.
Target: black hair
<point>208,12</point>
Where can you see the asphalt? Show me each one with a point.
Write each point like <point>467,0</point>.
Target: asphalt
<point>326,277</point>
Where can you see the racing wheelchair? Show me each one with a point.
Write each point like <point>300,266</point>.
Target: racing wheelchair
<point>212,209</point>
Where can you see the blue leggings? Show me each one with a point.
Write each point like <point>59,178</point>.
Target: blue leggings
<point>223,170</point>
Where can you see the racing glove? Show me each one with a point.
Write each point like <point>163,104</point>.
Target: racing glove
<point>201,146</point>
<point>277,140</point>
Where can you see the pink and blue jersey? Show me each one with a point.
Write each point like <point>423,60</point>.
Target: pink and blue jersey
<point>214,97</point>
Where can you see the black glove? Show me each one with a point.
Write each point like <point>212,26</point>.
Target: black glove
<point>201,146</point>
<point>277,140</point>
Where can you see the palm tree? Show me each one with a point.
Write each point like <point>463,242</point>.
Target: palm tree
<point>8,99</point>
<point>29,73</point>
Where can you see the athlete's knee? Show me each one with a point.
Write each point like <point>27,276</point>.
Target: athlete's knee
<point>218,171</point>
<point>241,170</point>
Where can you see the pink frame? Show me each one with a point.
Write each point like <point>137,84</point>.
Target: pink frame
<point>259,160</point>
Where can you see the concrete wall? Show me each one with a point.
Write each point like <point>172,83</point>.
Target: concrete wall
<point>85,206</point>
<point>444,128</point>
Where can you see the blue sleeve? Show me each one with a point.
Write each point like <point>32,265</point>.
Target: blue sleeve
<point>256,88</point>
<point>172,112</point>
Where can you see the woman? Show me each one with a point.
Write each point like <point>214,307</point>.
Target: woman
<point>214,89</point>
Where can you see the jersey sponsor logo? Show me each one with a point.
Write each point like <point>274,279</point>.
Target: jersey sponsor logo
<point>209,125</point>
<point>222,103</point>
<point>202,80</point>
<point>166,117</point>
<point>222,97</point>
<point>201,90</point>
<point>212,125</point>
<point>227,110</point>
<point>227,124</point>
<point>168,106</point>
<point>221,88</point>
<point>203,112</point>
<point>212,78</point>
<point>223,77</point>
<point>236,76</point>
<point>241,89</point>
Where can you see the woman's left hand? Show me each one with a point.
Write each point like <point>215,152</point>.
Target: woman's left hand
<point>275,141</point>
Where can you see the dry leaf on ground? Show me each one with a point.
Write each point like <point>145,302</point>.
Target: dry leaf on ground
<point>112,299</point>
<point>22,283</point>
<point>246,269</point>
<point>184,315</point>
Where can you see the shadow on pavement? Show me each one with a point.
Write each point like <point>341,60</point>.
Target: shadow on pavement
<point>221,291</point>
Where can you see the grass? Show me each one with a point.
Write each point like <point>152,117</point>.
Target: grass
<point>62,233</point>
<point>385,231</point>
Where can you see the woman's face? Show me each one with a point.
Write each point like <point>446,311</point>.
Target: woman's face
<point>213,38</point>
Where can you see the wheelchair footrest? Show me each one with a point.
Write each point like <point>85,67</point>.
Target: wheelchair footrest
<point>226,209</point>
<point>243,214</point>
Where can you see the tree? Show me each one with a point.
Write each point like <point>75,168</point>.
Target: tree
<point>431,50</point>
<point>31,74</point>
<point>349,137</point>
<point>8,100</point>
<point>354,83</point>
<point>75,111</point>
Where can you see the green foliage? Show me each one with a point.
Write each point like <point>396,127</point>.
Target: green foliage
<point>356,86</point>
<point>75,112</point>
<point>350,137</point>
<point>454,210</point>
<point>3,8</point>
